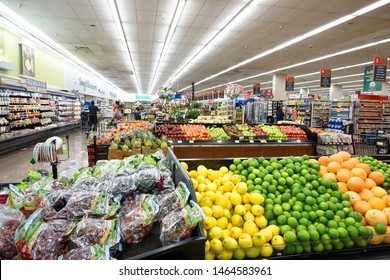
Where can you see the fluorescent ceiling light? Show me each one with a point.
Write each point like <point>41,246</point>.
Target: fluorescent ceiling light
<point>118,23</point>
<point>178,12</point>
<point>309,34</point>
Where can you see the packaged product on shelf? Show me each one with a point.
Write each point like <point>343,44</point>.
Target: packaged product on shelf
<point>177,225</point>
<point>137,217</point>
<point>10,219</point>
<point>94,252</point>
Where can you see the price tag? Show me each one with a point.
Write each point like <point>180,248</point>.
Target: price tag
<point>179,141</point>
<point>298,141</point>
<point>263,141</point>
<point>279,141</point>
<point>219,141</point>
<point>237,141</point>
<point>191,141</point>
<point>251,141</point>
<point>170,141</point>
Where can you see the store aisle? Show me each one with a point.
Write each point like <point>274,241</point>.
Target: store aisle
<point>15,166</point>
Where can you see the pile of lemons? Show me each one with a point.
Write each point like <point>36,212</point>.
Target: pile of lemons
<point>235,225</point>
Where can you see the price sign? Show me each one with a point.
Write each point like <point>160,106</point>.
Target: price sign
<point>380,66</point>
<point>289,86</point>
<point>251,141</point>
<point>279,141</point>
<point>219,141</point>
<point>179,141</point>
<point>256,89</point>
<point>298,141</point>
<point>326,76</point>
<point>170,141</point>
<point>191,141</point>
<point>237,141</point>
<point>263,141</point>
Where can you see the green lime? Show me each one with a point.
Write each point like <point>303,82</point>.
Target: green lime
<point>302,180</point>
<point>329,214</point>
<point>282,220</point>
<point>320,213</point>
<point>340,213</point>
<point>261,175</point>
<point>269,214</point>
<point>314,235</point>
<point>245,163</point>
<point>356,215</point>
<point>237,172</point>
<point>240,167</point>
<point>325,239</point>
<point>380,228</point>
<point>344,197</point>
<point>313,216</point>
<point>304,221</point>
<point>269,201</point>
<point>260,160</point>
<point>346,203</point>
<point>321,189</point>
<point>237,161</point>
<point>232,167</point>
<point>305,215</point>
<point>290,249</point>
<point>318,247</point>
<point>321,228</point>
<point>265,163</point>
<point>323,220</point>
<point>303,236</point>
<point>343,233</point>
<point>310,200</point>
<point>349,221</point>
<point>339,205</point>
<point>307,247</point>
<point>273,222</point>
<point>287,213</point>
<point>342,224</point>
<point>269,168</point>
<point>292,222</point>
<point>251,177</point>
<point>300,197</point>
<point>284,229</point>
<point>257,181</point>
<point>338,245</point>
<point>332,224</point>
<point>353,231</point>
<point>314,194</point>
<point>250,169</point>
<point>290,237</point>
<point>323,206</point>
<point>332,207</point>
<point>296,214</point>
<point>307,208</point>
<point>348,243</point>
<point>271,189</point>
<point>299,248</point>
<point>333,233</point>
<point>277,209</point>
<point>363,231</point>
<point>282,181</point>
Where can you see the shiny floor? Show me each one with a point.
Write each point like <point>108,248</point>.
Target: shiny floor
<point>15,166</point>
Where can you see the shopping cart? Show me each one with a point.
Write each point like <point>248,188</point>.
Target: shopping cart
<point>369,145</point>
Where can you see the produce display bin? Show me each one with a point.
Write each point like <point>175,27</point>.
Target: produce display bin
<point>381,251</point>
<point>365,144</point>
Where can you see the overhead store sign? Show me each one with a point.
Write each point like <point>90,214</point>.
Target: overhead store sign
<point>142,97</point>
<point>289,83</point>
<point>369,85</point>
<point>256,89</point>
<point>326,77</point>
<point>380,67</point>
<point>36,86</point>
<point>87,84</point>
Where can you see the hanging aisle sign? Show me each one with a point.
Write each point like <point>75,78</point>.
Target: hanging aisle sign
<point>380,66</point>
<point>326,76</point>
<point>36,86</point>
<point>369,85</point>
<point>256,89</point>
<point>289,83</point>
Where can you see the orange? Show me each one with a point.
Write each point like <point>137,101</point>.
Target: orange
<point>343,175</point>
<point>342,186</point>
<point>336,158</point>
<point>387,200</point>
<point>323,170</point>
<point>354,161</point>
<point>330,176</point>
<point>386,237</point>
<point>355,184</point>
<point>323,161</point>
<point>378,177</point>
<point>359,172</point>
<point>347,165</point>
<point>377,203</point>
<point>374,216</point>
<point>376,238</point>
<point>333,167</point>
<point>366,194</point>
<point>363,166</point>
<point>344,155</point>
<point>369,183</point>
<point>364,222</point>
<point>379,192</point>
<point>362,207</point>
<point>387,213</point>
<point>353,197</point>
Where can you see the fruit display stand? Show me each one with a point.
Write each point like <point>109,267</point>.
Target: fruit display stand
<point>321,237</point>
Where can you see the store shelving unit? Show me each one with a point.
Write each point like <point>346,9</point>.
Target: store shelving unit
<point>371,116</point>
<point>225,108</point>
<point>298,110</point>
<point>320,113</point>
<point>341,110</point>
<point>4,110</point>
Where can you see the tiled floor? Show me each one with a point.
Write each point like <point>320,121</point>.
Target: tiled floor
<point>15,166</point>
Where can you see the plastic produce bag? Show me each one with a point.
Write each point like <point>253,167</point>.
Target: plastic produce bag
<point>37,240</point>
<point>147,179</point>
<point>91,231</point>
<point>26,201</point>
<point>10,219</point>
<point>137,217</point>
<point>87,184</point>
<point>94,252</point>
<point>172,201</point>
<point>175,226</point>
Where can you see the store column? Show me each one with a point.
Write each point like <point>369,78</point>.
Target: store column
<point>279,86</point>
<point>335,92</point>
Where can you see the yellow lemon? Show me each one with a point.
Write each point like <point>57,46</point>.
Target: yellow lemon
<point>235,232</point>
<point>256,198</point>
<point>229,226</point>
<point>261,221</point>
<point>224,169</point>
<point>228,186</point>
<point>259,239</point>
<point>239,254</point>
<point>257,210</point>
<point>201,179</point>
<point>207,181</point>
<point>206,201</point>
<point>211,187</point>
<point>230,243</point>
<point>237,220</point>
<point>267,233</point>
<point>194,183</point>
<point>249,216</point>
<point>278,243</point>
<point>245,198</point>
<point>202,170</point>
<point>227,214</point>
<point>184,165</point>
<point>235,198</point>
<point>227,195</point>
<point>229,205</point>
<point>193,174</point>
<point>201,187</point>
<point>207,246</point>
<point>216,245</point>
<point>215,233</point>
<point>241,188</point>
<point>266,250</point>
<point>222,222</point>
<point>250,228</point>
<point>252,253</point>
<point>225,233</point>
<point>210,194</point>
<point>245,241</point>
<point>240,209</point>
<point>221,200</point>
<point>225,255</point>
<point>235,179</point>
<point>199,196</point>
<point>217,211</point>
<point>217,182</point>
<point>274,229</point>
<point>207,211</point>
<point>209,256</point>
<point>205,232</point>
<point>209,222</point>
<point>248,207</point>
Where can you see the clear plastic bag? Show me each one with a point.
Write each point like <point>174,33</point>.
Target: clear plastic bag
<point>176,226</point>
<point>94,252</point>
<point>171,201</point>
<point>137,217</point>
<point>10,219</point>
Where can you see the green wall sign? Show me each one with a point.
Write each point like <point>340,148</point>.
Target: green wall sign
<point>369,84</point>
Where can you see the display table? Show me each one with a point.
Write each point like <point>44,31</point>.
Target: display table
<point>243,148</point>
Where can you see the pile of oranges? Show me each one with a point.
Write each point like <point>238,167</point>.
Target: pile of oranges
<point>363,187</point>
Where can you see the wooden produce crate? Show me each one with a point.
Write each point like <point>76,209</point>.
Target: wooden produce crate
<point>118,154</point>
<point>149,150</point>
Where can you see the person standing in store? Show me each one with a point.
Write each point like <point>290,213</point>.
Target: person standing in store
<point>93,119</point>
<point>279,115</point>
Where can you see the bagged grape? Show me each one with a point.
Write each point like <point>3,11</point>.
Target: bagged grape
<point>10,219</point>
<point>177,225</point>
<point>171,201</point>
<point>137,217</point>
<point>94,252</point>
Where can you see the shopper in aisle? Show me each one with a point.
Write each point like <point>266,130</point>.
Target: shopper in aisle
<point>138,112</point>
<point>93,119</point>
<point>279,115</point>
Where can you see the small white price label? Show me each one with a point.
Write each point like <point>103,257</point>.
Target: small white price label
<point>279,141</point>
<point>298,141</point>
<point>191,141</point>
<point>251,141</point>
<point>170,141</point>
<point>179,141</point>
<point>219,141</point>
<point>237,141</point>
<point>263,141</point>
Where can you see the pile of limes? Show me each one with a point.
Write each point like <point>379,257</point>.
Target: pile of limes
<point>256,206</point>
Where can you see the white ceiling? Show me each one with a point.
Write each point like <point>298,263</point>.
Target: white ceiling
<point>87,29</point>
